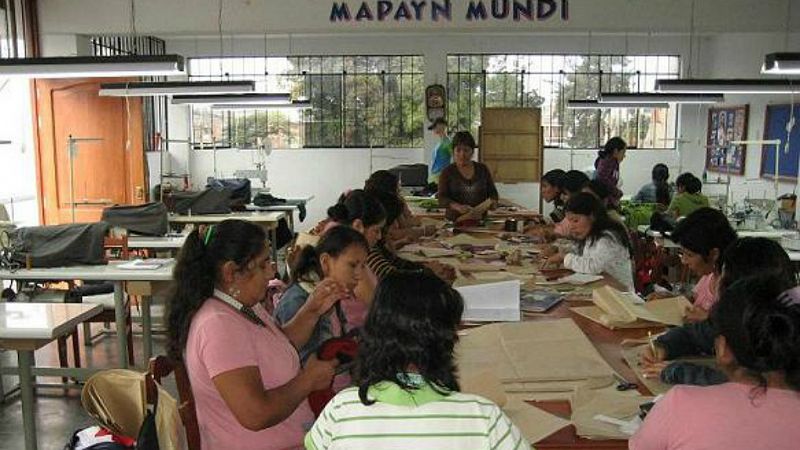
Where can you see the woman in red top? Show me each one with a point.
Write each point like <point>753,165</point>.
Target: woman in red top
<point>607,166</point>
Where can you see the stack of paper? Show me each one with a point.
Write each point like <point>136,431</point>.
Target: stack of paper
<point>616,309</point>
<point>491,302</point>
<point>144,264</point>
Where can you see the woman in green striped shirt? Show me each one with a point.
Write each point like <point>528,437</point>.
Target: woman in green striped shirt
<point>408,394</point>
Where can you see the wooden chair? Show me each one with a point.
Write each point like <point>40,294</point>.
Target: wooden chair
<point>161,367</point>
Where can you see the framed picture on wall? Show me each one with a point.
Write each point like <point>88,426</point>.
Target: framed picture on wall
<point>780,124</point>
<point>725,125</point>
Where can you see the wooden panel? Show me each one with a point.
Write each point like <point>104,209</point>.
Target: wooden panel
<point>513,146</point>
<point>514,170</point>
<point>510,119</point>
<point>104,172</point>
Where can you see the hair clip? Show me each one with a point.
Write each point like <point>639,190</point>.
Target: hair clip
<point>207,238</point>
<point>790,297</point>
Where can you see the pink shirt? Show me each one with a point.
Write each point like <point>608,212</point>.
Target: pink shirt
<point>705,292</point>
<point>222,339</point>
<point>726,416</point>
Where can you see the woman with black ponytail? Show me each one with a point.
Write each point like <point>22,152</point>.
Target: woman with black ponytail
<point>249,388</point>
<point>757,323</point>
<point>658,190</point>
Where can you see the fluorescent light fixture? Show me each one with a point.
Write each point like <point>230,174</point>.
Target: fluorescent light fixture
<point>295,105</point>
<point>154,88</point>
<point>609,97</point>
<point>271,98</point>
<point>594,104</point>
<point>781,64</point>
<point>728,86</point>
<point>92,66</point>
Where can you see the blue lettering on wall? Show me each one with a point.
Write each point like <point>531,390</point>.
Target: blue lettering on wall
<point>439,10</point>
<point>340,12</point>
<point>476,11</point>
<point>364,13</point>
<point>434,10</point>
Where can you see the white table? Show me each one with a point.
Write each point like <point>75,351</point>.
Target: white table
<point>289,209</point>
<point>25,327</point>
<point>267,220</point>
<point>156,242</point>
<point>769,234</point>
<point>118,277</point>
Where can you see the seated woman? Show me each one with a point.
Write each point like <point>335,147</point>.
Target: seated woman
<point>333,268</point>
<point>744,257</point>
<point>465,183</point>
<point>703,236</point>
<point>402,226</point>
<point>249,388</point>
<point>571,183</point>
<point>757,327</point>
<point>603,245</point>
<point>658,190</point>
<point>688,199</point>
<point>408,395</point>
<point>550,190</point>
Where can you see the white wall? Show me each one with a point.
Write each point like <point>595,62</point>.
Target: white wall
<point>17,160</point>
<point>302,27</point>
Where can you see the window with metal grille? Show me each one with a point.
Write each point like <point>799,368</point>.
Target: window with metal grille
<point>549,81</point>
<point>356,101</point>
<point>154,109</point>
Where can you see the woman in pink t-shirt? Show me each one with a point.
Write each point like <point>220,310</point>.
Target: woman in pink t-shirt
<point>249,388</point>
<point>703,236</point>
<point>758,346</point>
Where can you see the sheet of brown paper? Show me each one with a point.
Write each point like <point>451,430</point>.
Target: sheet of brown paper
<point>596,314</point>
<point>534,423</point>
<point>558,386</point>
<point>587,403</point>
<point>632,356</point>
<point>531,351</point>
<point>465,239</point>
<point>486,384</point>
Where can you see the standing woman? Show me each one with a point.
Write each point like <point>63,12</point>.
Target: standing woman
<point>607,166</point>
<point>465,183</point>
<point>249,388</point>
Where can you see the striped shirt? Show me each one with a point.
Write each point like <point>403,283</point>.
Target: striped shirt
<point>419,419</point>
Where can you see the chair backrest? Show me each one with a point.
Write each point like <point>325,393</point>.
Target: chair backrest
<point>161,367</point>
<point>117,242</point>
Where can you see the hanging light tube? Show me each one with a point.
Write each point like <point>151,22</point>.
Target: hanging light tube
<point>156,88</point>
<point>610,98</point>
<point>594,104</point>
<point>295,105</point>
<point>781,64</point>
<point>92,66</point>
<point>728,86</point>
<point>271,98</point>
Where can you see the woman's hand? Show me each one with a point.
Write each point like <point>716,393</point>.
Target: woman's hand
<point>654,370</point>
<point>695,314</point>
<point>459,208</point>
<point>319,374</point>
<point>548,250</point>
<point>556,259</point>
<point>326,294</point>
<point>649,357</point>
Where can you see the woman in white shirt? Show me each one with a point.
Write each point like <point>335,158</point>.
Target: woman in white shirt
<point>602,243</point>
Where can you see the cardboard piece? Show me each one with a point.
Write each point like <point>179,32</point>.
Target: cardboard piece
<point>596,314</point>
<point>486,384</point>
<point>625,308</point>
<point>534,423</point>
<point>531,351</point>
<point>491,302</point>
<point>476,212</point>
<point>587,404</point>
<point>466,239</point>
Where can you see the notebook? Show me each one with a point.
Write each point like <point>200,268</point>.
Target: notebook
<point>539,301</point>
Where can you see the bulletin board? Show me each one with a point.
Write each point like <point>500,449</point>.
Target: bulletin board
<point>725,125</point>
<point>776,119</point>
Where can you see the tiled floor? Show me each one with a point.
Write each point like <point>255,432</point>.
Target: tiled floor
<point>59,413</point>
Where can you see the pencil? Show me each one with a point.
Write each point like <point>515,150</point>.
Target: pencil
<point>652,343</point>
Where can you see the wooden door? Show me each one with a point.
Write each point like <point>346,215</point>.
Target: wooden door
<point>105,171</point>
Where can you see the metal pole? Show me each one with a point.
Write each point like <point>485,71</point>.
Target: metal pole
<point>71,150</point>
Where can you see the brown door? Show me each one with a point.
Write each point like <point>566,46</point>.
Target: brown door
<point>107,164</point>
